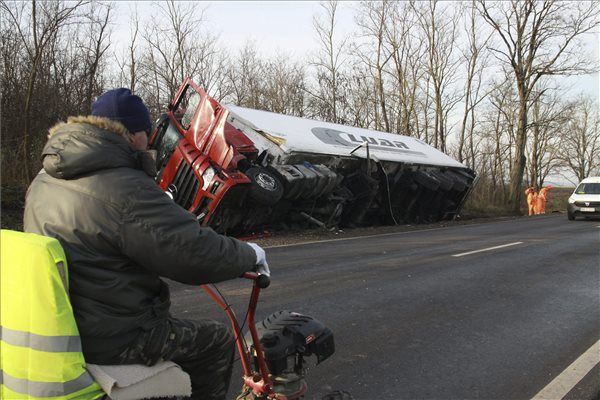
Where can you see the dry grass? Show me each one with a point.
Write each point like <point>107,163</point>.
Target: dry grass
<point>12,202</point>
<point>479,207</point>
<point>557,199</point>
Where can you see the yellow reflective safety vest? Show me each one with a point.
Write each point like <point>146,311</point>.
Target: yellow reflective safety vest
<point>40,349</point>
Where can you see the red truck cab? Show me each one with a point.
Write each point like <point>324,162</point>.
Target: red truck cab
<point>200,154</point>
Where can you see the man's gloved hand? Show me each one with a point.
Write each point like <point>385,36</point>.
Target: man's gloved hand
<point>261,260</point>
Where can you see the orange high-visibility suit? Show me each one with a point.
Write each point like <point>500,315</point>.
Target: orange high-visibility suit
<point>531,199</point>
<point>540,201</point>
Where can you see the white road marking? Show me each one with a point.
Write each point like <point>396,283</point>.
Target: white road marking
<point>486,249</point>
<point>566,381</point>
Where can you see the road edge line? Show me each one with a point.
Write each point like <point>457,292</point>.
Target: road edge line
<point>571,376</point>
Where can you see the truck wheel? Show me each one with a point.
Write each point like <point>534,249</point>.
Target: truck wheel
<point>570,216</point>
<point>266,188</point>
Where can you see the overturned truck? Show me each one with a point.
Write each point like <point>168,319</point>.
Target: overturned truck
<point>239,169</point>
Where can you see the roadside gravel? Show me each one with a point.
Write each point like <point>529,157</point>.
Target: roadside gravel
<point>272,239</point>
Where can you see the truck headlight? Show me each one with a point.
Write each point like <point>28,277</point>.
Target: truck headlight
<point>208,175</point>
<point>571,200</point>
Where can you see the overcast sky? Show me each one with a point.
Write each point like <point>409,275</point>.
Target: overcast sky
<point>274,25</point>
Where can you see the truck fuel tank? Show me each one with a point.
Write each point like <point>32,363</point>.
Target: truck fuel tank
<point>305,180</point>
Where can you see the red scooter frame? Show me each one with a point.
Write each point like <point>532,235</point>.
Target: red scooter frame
<point>259,381</point>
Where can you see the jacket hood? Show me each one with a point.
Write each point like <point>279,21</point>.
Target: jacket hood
<point>87,144</point>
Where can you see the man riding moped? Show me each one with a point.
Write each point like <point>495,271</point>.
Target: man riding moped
<point>121,233</point>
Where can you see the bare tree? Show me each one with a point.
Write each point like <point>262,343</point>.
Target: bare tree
<point>425,107</point>
<point>537,38</point>
<point>275,84</point>
<point>176,47</point>
<point>12,94</point>
<point>245,74</point>
<point>283,88</point>
<point>580,141</point>
<point>372,19</point>
<point>329,96</point>
<point>440,29</point>
<point>475,63</point>
<point>37,25</point>
<point>212,72</point>
<point>133,69</point>
<point>95,43</point>
<point>548,120</point>
<point>360,95</point>
<point>407,71</point>
<point>129,69</point>
<point>500,138</point>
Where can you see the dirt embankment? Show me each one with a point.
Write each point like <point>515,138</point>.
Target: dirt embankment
<point>13,202</point>
<point>557,203</point>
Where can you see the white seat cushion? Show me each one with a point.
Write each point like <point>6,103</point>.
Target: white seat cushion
<point>130,382</point>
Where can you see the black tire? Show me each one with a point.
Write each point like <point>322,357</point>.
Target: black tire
<point>427,180</point>
<point>446,183</point>
<point>570,216</point>
<point>266,187</point>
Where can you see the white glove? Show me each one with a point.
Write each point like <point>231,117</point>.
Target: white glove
<point>261,260</point>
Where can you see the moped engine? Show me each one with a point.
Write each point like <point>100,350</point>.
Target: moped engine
<point>287,338</point>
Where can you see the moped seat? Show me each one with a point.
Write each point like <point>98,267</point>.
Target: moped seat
<point>128,382</point>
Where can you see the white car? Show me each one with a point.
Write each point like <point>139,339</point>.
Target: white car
<point>585,200</point>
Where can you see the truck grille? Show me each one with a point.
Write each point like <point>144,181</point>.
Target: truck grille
<point>589,203</point>
<point>187,185</point>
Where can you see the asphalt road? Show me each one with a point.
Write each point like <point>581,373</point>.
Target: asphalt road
<point>413,321</point>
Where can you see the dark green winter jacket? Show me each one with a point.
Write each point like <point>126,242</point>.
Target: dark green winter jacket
<point>120,232</point>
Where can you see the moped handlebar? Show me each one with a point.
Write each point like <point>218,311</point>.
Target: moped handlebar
<point>259,381</point>
<point>262,281</point>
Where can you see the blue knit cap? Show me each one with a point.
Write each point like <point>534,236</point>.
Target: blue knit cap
<point>123,106</point>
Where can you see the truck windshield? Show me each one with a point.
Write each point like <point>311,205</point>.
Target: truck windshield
<point>190,102</point>
<point>588,188</point>
<point>165,143</point>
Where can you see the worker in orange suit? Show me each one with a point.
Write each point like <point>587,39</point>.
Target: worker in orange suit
<point>531,200</point>
<point>540,201</point>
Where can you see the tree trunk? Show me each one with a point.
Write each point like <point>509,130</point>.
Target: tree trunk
<point>26,119</point>
<point>516,179</point>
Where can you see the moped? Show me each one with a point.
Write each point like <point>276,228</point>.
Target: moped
<point>272,354</point>
<point>273,351</point>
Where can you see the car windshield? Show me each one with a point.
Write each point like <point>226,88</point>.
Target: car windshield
<point>588,188</point>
